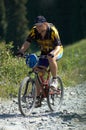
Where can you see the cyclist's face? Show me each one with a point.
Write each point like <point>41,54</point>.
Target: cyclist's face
<point>41,27</point>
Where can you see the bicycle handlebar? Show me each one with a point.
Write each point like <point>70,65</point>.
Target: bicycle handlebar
<point>41,56</point>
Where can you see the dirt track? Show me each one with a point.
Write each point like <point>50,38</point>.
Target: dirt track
<point>72,115</point>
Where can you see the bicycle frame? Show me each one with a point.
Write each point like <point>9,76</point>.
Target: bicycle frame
<point>40,73</point>
<point>44,83</point>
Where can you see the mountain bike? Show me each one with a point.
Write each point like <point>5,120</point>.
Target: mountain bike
<point>27,94</point>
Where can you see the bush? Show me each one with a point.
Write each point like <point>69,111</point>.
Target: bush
<point>12,70</point>
<point>72,68</point>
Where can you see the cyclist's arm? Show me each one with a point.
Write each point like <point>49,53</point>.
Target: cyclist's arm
<point>55,51</point>
<point>29,39</point>
<point>25,46</point>
<point>57,42</point>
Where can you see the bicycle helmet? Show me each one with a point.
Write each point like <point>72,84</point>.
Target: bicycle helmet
<point>31,60</point>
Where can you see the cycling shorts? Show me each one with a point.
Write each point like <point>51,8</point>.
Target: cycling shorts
<point>45,62</point>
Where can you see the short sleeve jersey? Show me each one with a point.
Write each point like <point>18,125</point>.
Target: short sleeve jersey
<point>50,40</point>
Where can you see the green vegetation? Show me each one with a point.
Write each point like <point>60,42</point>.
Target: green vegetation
<point>16,22</point>
<point>72,67</point>
<point>17,17</point>
<point>12,71</point>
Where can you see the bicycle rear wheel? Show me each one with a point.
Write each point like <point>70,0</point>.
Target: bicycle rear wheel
<point>27,96</point>
<point>55,97</point>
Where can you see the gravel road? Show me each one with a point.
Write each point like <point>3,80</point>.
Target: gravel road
<point>71,116</point>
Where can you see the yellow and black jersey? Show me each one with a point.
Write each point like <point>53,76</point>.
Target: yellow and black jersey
<point>49,42</point>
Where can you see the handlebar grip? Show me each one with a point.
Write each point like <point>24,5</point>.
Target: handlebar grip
<point>51,55</point>
<point>20,54</point>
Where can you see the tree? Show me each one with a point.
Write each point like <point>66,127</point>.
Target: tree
<point>40,7</point>
<point>2,20</point>
<point>17,22</point>
<point>17,16</point>
<point>83,17</point>
<point>71,19</point>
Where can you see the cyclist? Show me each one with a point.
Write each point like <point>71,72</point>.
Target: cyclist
<point>47,36</point>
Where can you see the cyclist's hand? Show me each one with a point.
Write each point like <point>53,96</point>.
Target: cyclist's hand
<point>51,55</point>
<point>20,54</point>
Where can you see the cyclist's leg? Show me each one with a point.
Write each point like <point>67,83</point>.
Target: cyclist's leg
<point>53,63</point>
<point>54,68</point>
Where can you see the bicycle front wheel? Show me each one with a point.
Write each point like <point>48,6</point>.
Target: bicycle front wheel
<point>55,97</point>
<point>27,96</point>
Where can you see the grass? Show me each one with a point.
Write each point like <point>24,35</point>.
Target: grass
<point>72,68</point>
